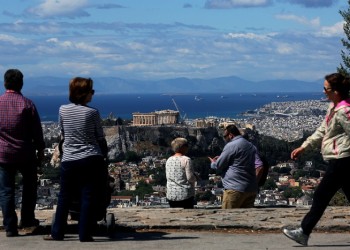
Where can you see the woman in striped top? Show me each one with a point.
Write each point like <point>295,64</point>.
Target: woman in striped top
<point>82,165</point>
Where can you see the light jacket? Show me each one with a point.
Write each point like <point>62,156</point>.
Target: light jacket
<point>334,132</point>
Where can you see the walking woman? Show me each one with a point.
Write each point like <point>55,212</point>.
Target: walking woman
<point>82,166</point>
<point>334,137</point>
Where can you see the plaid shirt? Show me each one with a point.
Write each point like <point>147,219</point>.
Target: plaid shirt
<point>20,129</point>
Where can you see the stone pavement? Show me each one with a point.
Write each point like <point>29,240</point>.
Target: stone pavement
<point>166,228</point>
<point>180,240</point>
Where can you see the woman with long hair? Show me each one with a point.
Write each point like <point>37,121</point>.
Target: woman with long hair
<point>334,137</point>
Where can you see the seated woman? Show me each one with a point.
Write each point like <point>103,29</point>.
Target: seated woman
<point>180,176</point>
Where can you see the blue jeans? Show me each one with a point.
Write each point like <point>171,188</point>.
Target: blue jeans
<point>79,180</point>
<point>335,178</point>
<point>7,194</point>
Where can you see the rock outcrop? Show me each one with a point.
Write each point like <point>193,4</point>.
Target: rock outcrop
<point>156,140</point>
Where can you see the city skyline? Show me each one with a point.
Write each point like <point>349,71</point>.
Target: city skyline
<point>154,39</point>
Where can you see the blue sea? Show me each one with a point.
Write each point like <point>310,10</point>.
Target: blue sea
<point>190,105</point>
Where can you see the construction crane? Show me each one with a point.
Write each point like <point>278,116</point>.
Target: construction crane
<point>182,118</point>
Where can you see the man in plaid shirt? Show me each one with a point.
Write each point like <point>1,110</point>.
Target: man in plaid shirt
<point>21,150</point>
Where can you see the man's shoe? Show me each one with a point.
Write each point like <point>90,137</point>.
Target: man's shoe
<point>49,237</point>
<point>12,234</point>
<point>34,223</point>
<point>297,235</point>
<point>87,239</point>
<point>31,229</point>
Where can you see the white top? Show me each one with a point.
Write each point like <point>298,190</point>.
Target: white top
<point>180,178</point>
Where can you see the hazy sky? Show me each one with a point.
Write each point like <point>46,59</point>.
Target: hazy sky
<point>157,39</point>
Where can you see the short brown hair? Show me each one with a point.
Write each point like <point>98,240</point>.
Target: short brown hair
<point>79,88</point>
<point>178,143</point>
<point>13,79</point>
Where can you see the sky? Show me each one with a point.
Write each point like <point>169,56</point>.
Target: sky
<point>161,39</point>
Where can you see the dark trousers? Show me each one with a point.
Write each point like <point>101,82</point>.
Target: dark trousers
<point>336,177</point>
<point>79,180</point>
<point>7,194</point>
<point>188,203</point>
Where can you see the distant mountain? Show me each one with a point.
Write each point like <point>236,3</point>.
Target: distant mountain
<point>114,85</point>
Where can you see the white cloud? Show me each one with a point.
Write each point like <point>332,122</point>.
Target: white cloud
<point>52,40</point>
<point>228,46</point>
<point>136,46</point>
<point>76,46</point>
<point>12,39</point>
<point>284,49</point>
<point>132,67</point>
<point>228,4</point>
<point>302,20</point>
<point>60,8</point>
<point>247,36</point>
<point>183,51</point>
<point>330,31</point>
<point>78,68</point>
<point>313,3</point>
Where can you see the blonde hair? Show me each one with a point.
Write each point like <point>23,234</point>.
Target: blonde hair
<point>178,143</point>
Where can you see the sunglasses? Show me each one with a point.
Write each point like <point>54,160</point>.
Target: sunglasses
<point>92,92</point>
<point>327,89</point>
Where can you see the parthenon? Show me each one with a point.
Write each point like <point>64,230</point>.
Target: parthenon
<point>162,117</point>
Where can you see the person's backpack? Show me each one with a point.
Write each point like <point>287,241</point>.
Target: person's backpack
<point>266,167</point>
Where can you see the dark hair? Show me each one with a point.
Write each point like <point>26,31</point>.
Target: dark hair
<point>13,80</point>
<point>79,88</point>
<point>339,83</point>
<point>232,129</point>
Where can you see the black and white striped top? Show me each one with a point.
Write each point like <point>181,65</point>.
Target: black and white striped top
<point>82,130</point>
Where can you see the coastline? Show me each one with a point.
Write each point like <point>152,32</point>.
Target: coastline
<point>192,105</point>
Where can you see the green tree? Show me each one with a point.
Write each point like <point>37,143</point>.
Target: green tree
<point>107,122</point>
<point>270,184</point>
<point>119,121</point>
<point>143,188</point>
<point>293,192</point>
<point>132,156</point>
<point>48,171</point>
<point>345,66</point>
<point>201,165</point>
<point>51,173</point>
<point>206,196</point>
<point>124,193</point>
<point>285,170</point>
<point>159,176</point>
<point>339,199</point>
<point>298,173</point>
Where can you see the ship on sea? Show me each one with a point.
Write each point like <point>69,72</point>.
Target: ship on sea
<point>283,96</point>
<point>198,98</point>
